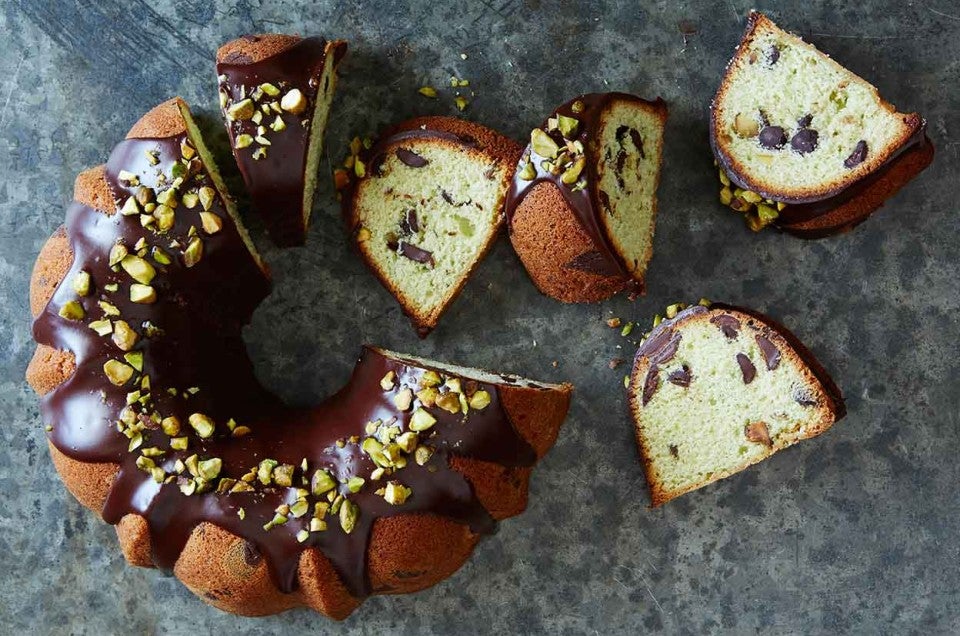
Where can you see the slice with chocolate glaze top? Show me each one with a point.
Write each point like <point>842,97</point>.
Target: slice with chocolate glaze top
<point>582,205</point>
<point>275,94</point>
<point>425,207</point>
<point>716,389</point>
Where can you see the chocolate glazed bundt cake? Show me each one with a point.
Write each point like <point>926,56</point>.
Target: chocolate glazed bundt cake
<point>156,420</point>
<point>583,202</point>
<point>424,204</point>
<point>275,94</point>
<point>803,143</point>
<point>717,388</point>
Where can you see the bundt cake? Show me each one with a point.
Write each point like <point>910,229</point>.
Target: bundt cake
<point>156,420</point>
<point>803,143</point>
<point>275,95</point>
<point>582,206</point>
<point>424,204</point>
<point>715,389</point>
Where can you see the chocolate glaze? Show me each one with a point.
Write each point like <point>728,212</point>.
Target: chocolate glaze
<point>201,311</point>
<point>276,182</point>
<point>585,203</point>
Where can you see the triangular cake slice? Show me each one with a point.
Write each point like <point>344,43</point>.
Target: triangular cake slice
<point>797,136</point>
<point>424,206</point>
<point>583,203</point>
<point>275,95</point>
<point>716,389</point>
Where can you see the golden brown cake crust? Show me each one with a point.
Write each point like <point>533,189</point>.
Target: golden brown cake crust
<point>546,234</point>
<point>250,49</point>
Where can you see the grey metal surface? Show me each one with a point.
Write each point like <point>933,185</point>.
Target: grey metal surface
<point>854,531</point>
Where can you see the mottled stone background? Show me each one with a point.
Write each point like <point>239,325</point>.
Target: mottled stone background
<point>856,531</point>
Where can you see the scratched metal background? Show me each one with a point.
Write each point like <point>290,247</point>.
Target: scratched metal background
<point>856,531</point>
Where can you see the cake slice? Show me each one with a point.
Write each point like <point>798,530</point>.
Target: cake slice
<point>583,203</point>
<point>424,205</point>
<point>798,137</point>
<point>716,389</point>
<point>275,95</point>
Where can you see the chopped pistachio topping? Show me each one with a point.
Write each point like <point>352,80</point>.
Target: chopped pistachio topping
<point>428,91</point>
<point>142,294</point>
<point>430,378</point>
<point>448,402</point>
<point>207,196</point>
<point>243,109</point>
<point>322,482</point>
<point>209,469</point>
<point>396,493</point>
<point>72,310</point>
<point>480,400</point>
<point>568,126</point>
<point>117,253</point>
<point>294,101</point>
<point>128,178</point>
<point>528,172</point>
<point>349,512</point>
<point>422,455</point>
<point>386,382</point>
<point>171,425</point>
<point>211,222</point>
<point>81,283</point>
<point>543,144</point>
<point>101,327</point>
<point>202,424</point>
<point>138,269</point>
<point>117,372</point>
<point>134,359</point>
<point>283,475</point>
<point>194,252</point>
<point>404,399</point>
<point>278,124</point>
<point>421,420</point>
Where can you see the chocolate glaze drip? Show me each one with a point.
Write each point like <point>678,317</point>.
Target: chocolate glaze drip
<point>276,182</point>
<point>587,203</point>
<point>199,352</point>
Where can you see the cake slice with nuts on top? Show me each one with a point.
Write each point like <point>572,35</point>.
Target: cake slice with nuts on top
<point>715,389</point>
<point>275,94</point>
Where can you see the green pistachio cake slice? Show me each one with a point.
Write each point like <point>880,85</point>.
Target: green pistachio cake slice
<point>424,207</point>
<point>716,389</point>
<point>792,125</point>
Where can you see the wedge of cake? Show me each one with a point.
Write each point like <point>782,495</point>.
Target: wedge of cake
<point>275,94</point>
<point>803,143</point>
<point>583,203</point>
<point>424,205</point>
<point>716,389</point>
